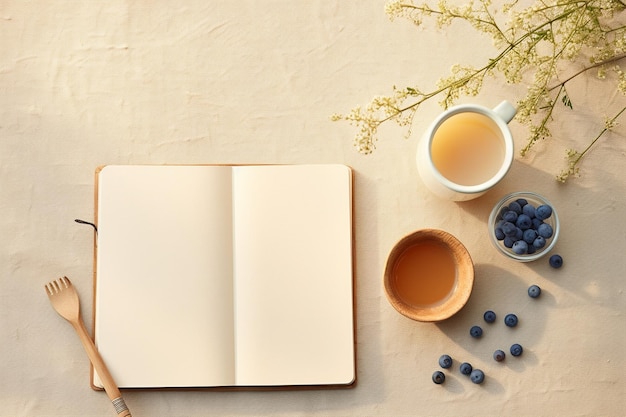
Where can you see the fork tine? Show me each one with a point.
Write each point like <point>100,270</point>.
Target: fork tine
<point>66,281</point>
<point>51,287</point>
<point>58,285</point>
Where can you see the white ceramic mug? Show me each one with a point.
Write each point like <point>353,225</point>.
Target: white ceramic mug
<point>446,188</point>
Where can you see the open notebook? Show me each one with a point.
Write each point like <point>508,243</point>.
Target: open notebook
<point>224,276</point>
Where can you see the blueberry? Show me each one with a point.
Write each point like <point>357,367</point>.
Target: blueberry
<point>445,361</point>
<point>524,222</point>
<point>516,349</point>
<point>476,331</point>
<point>543,212</point>
<point>477,376</point>
<point>534,291</point>
<point>531,250</point>
<point>515,207</point>
<point>545,230</point>
<point>520,247</point>
<point>489,316</point>
<point>539,242</point>
<point>509,229</point>
<point>509,241</point>
<point>439,377</point>
<point>466,368</point>
<point>556,261</point>
<point>529,210</point>
<point>510,320</point>
<point>499,355</point>
<point>499,233</point>
<point>510,216</point>
<point>519,233</point>
<point>529,236</point>
<point>522,202</point>
<point>537,223</point>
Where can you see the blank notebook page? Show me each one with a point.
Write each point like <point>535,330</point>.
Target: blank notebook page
<point>293,275</point>
<point>164,275</point>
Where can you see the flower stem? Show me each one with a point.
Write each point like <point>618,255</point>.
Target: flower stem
<point>609,123</point>
<point>596,65</point>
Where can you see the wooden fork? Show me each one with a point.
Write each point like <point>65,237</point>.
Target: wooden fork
<point>64,299</point>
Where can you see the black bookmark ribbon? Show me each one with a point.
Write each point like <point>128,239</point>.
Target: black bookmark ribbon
<point>87,223</point>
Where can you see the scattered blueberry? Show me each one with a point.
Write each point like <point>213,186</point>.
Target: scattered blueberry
<point>516,349</point>
<point>534,291</point>
<point>439,377</point>
<point>489,316</point>
<point>510,320</point>
<point>543,212</point>
<point>499,355</point>
<point>477,376</point>
<point>476,331</point>
<point>556,261</point>
<point>466,368</point>
<point>445,361</point>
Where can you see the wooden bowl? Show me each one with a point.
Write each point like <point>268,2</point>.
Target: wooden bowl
<point>429,275</point>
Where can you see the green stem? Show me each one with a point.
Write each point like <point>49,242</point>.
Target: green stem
<point>543,123</point>
<point>575,3</point>
<point>492,62</point>
<point>427,9</point>
<point>597,64</point>
<point>609,123</point>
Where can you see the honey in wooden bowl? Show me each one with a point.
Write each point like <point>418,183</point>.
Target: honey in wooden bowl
<point>429,275</point>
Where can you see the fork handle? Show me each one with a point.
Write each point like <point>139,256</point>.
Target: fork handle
<point>105,376</point>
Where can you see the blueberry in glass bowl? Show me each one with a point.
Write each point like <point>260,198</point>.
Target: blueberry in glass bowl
<point>524,226</point>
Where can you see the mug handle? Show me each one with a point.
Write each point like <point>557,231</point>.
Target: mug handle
<point>506,111</point>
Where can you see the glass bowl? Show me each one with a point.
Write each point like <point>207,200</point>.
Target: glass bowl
<point>535,250</point>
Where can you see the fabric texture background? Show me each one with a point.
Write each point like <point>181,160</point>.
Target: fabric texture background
<point>83,84</point>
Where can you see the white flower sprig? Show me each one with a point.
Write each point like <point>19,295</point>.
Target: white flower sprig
<point>534,44</point>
